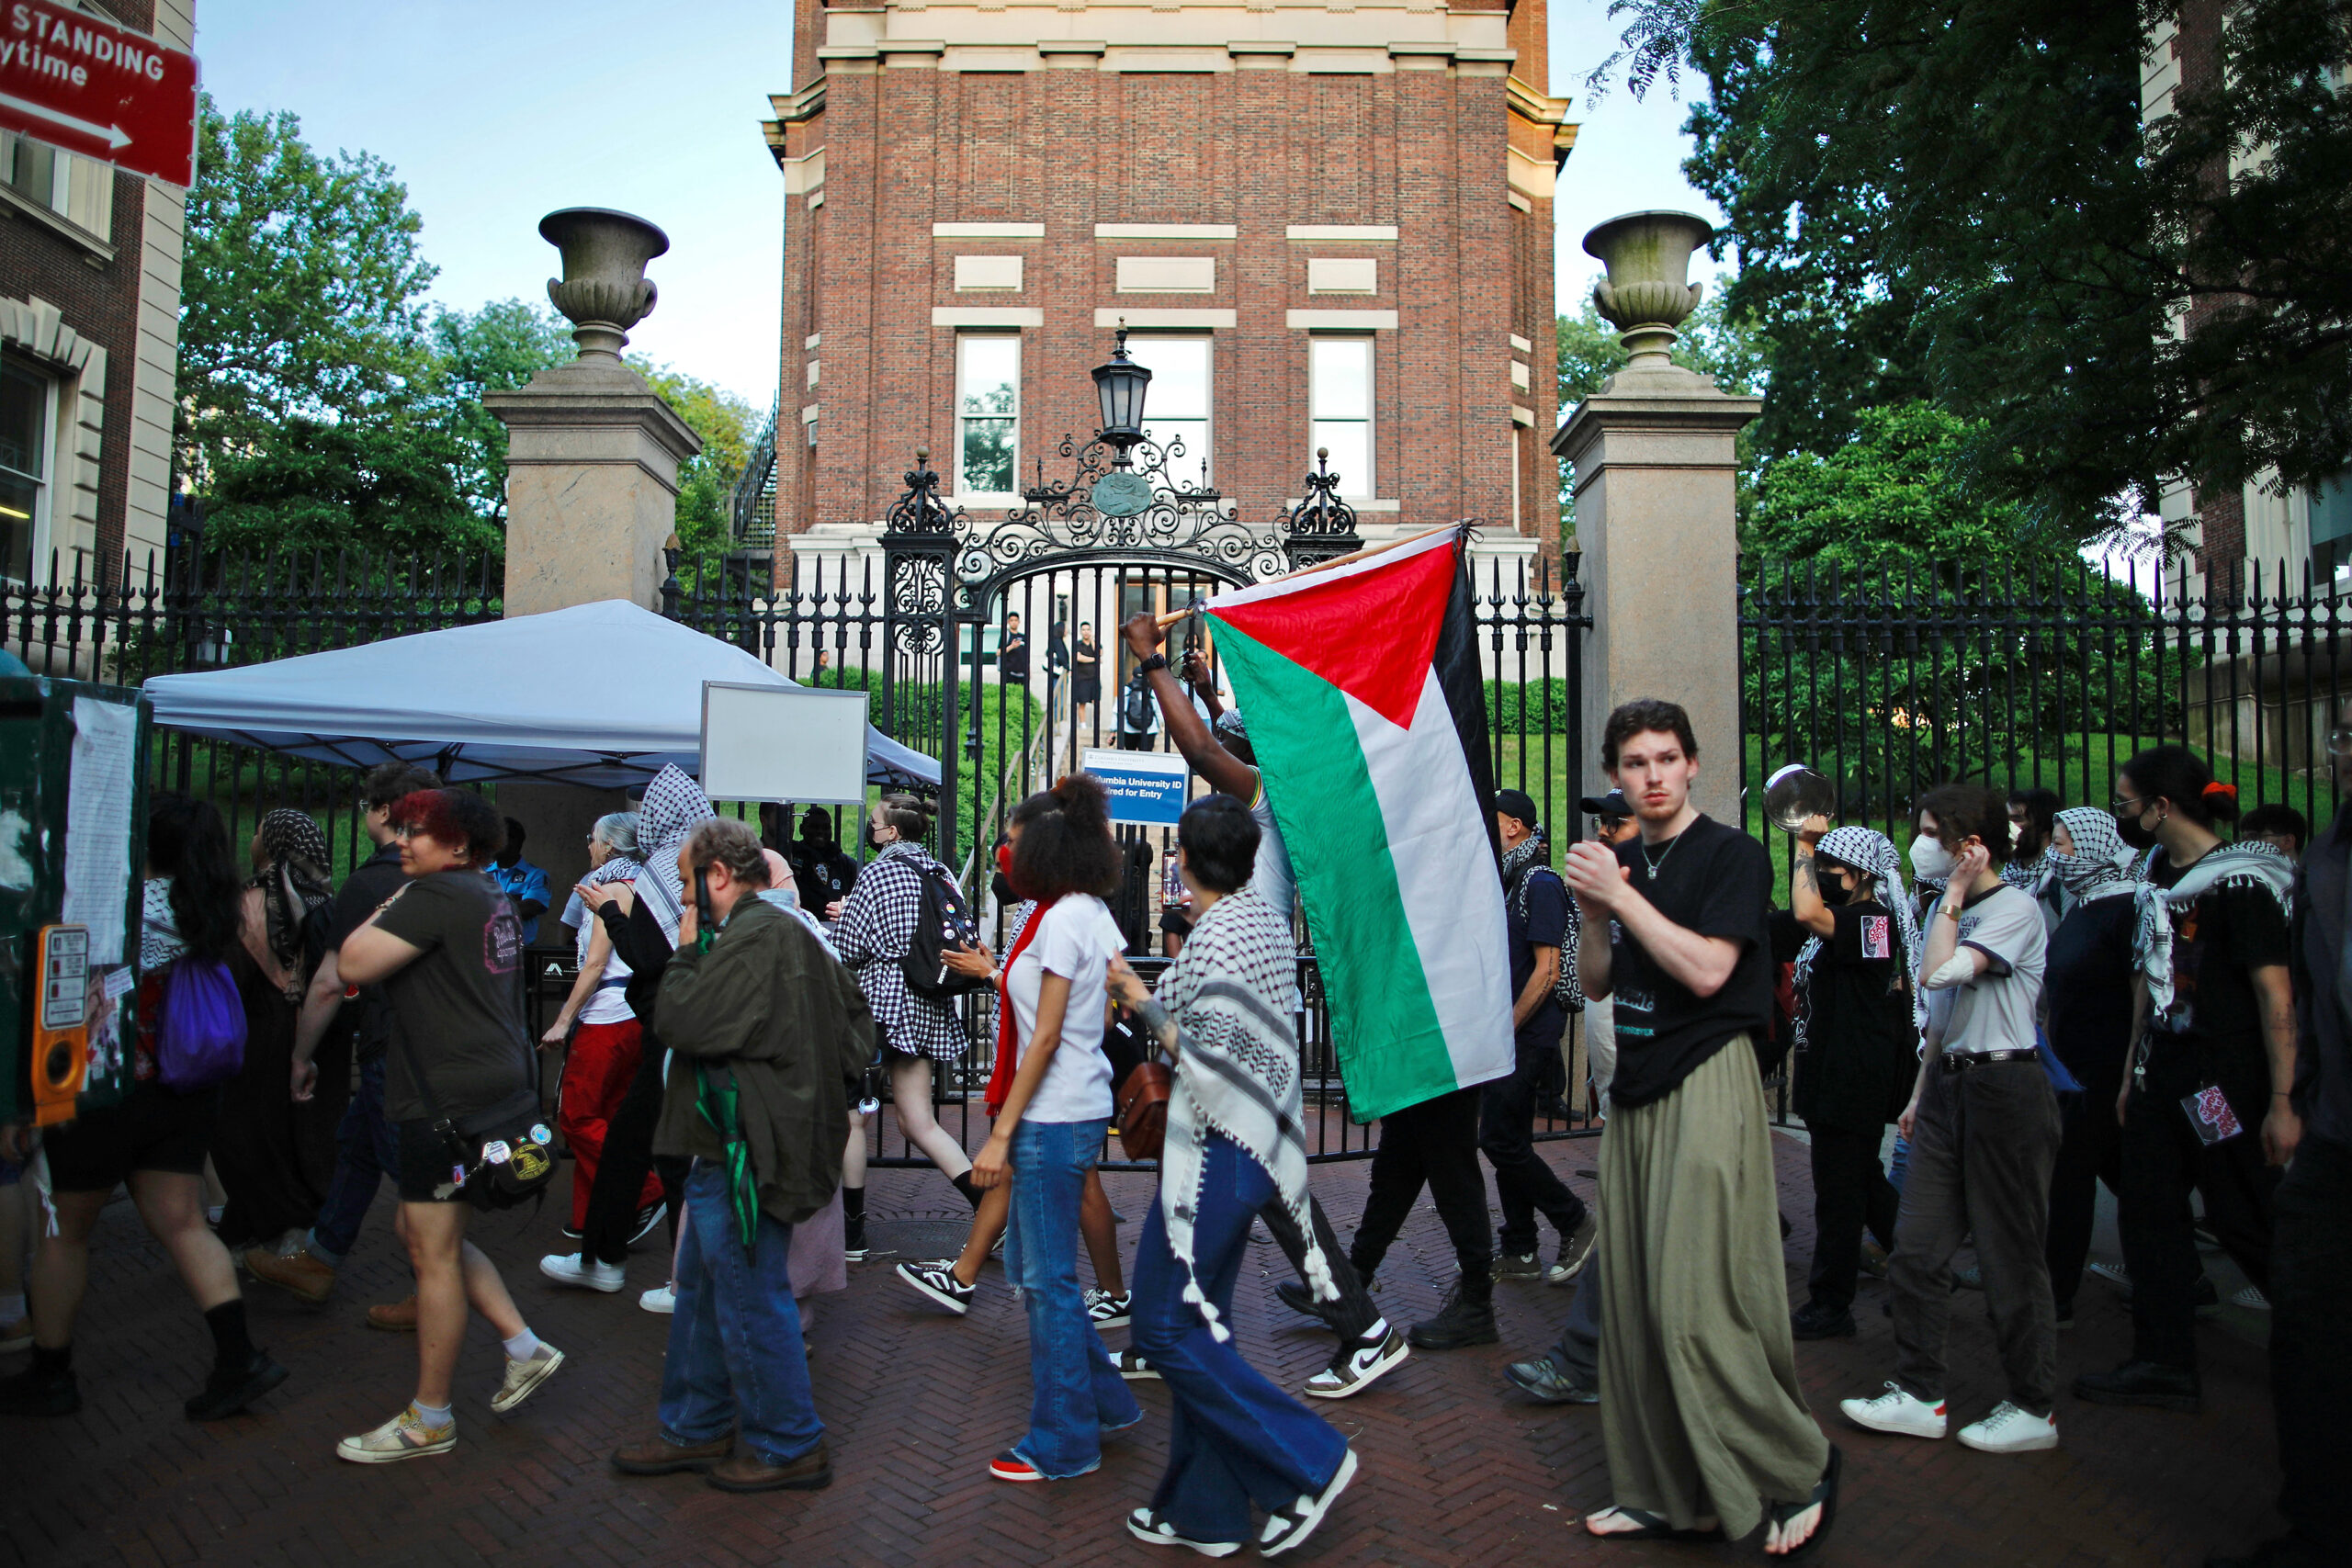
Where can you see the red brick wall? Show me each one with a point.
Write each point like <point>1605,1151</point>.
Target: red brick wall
<point>1071,146</point>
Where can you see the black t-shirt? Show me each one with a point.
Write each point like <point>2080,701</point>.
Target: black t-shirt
<point>376,878</point>
<point>2086,986</point>
<point>1716,881</point>
<point>1543,923</point>
<point>823,872</point>
<point>2214,1027</point>
<point>1860,1048</point>
<point>458,1002</point>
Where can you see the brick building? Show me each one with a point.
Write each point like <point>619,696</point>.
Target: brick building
<point>1326,225</point>
<point>89,327</point>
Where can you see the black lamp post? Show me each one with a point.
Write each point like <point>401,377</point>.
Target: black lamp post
<point>1120,384</point>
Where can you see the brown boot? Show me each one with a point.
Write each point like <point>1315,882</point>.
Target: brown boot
<point>400,1317</point>
<point>297,1273</point>
<point>747,1471</point>
<point>659,1456</point>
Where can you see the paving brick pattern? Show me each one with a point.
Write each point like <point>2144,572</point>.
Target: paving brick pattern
<point>1456,1469</point>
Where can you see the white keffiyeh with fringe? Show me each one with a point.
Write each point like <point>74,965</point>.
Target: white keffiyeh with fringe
<point>1237,1075</point>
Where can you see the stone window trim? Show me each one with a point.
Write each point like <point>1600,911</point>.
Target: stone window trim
<point>96,250</point>
<point>37,329</point>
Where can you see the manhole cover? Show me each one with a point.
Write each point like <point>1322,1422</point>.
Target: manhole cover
<point>916,1238</point>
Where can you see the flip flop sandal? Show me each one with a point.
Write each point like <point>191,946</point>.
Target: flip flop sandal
<point>1824,1494</point>
<point>1652,1528</point>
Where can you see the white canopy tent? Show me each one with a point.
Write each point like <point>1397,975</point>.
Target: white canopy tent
<point>601,695</point>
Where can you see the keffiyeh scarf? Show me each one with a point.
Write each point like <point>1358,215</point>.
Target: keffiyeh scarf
<point>293,882</point>
<point>674,805</point>
<point>619,866</point>
<point>1236,1075</point>
<point>2096,868</point>
<point>2249,865</point>
<point>1874,854</point>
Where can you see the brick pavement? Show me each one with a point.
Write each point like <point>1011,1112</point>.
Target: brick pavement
<point>1455,1470</point>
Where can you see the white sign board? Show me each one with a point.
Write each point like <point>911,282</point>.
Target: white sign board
<point>1146,787</point>
<point>795,743</point>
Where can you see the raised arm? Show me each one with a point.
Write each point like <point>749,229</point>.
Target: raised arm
<point>1221,768</point>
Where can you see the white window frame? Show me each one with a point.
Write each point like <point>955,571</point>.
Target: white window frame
<point>1357,485</point>
<point>1139,347</point>
<point>962,340</point>
<point>45,483</point>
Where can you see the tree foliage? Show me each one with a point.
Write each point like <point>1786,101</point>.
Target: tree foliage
<point>727,425</point>
<point>494,349</point>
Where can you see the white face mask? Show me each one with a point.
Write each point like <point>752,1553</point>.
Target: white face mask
<point>1930,861</point>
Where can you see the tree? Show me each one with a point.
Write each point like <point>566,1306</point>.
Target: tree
<point>1957,200</point>
<point>727,425</point>
<point>494,349</point>
<point>381,483</point>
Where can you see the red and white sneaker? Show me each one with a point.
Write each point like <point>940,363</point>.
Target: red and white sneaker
<point>1011,1466</point>
<point>1895,1411</point>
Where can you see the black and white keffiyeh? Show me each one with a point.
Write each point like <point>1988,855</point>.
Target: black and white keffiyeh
<point>1874,854</point>
<point>2095,869</point>
<point>674,805</point>
<point>2252,863</point>
<point>1237,1075</point>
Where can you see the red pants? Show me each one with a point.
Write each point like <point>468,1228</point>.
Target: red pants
<point>597,1074</point>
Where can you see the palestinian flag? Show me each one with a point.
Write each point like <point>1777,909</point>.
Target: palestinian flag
<point>1361,686</point>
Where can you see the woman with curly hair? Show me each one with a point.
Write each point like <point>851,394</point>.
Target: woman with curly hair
<point>154,1141</point>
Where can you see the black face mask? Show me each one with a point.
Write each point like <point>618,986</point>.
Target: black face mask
<point>1002,887</point>
<point>2135,837</point>
<point>872,838</point>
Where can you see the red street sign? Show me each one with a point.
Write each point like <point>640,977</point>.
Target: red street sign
<point>89,86</point>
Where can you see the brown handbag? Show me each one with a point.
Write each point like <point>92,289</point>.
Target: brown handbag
<point>1143,1110</point>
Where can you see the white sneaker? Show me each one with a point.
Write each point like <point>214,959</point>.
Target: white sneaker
<point>2009,1430</point>
<point>1895,1411</point>
<point>579,1268</point>
<point>522,1377</point>
<point>1365,1361</point>
<point>2251,1299</point>
<point>405,1436</point>
<point>661,1299</point>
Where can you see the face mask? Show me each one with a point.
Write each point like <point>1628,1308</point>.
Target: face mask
<point>1004,869</point>
<point>2135,837</point>
<point>873,837</point>
<point>1930,861</point>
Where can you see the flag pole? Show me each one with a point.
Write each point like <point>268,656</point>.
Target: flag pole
<point>1173,616</point>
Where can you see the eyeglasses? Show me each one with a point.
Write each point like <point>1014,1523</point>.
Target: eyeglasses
<point>2122,808</point>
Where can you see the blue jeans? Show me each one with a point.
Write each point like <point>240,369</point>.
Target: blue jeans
<point>1233,1437</point>
<point>1076,1390</point>
<point>735,1357</point>
<point>365,1152</point>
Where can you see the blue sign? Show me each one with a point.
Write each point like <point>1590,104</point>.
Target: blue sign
<point>1146,789</point>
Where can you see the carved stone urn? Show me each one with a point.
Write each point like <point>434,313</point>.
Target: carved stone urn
<point>1647,293</point>
<point>604,291</point>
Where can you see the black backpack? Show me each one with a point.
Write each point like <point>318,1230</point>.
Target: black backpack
<point>944,921</point>
<point>1136,707</point>
<point>1567,990</point>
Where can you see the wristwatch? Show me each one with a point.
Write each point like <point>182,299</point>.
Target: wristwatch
<point>1157,661</point>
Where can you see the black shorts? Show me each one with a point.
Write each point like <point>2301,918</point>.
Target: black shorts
<point>426,1161</point>
<point>152,1129</point>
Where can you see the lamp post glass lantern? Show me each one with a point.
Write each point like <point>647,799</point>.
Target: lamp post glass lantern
<point>1120,384</point>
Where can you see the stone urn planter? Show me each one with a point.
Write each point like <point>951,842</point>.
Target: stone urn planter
<point>604,291</point>
<point>1647,293</point>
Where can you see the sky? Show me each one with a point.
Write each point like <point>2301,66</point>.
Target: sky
<point>495,114</point>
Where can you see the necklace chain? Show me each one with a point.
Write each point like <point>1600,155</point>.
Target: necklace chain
<point>1655,866</point>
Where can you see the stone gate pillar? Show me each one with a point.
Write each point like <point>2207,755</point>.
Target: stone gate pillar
<point>592,490</point>
<point>1655,470</point>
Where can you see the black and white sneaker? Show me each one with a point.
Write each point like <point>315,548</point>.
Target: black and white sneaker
<point>1576,1251</point>
<point>1107,1311</point>
<point>854,1247</point>
<point>1295,1523</point>
<point>1361,1364</point>
<point>1155,1530</point>
<point>1134,1367</point>
<point>652,1215</point>
<point>937,1280</point>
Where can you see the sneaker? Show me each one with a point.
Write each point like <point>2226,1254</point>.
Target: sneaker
<point>571,1233</point>
<point>1359,1365</point>
<point>1295,1523</point>
<point>1542,1381</point>
<point>2251,1299</point>
<point>652,1215</point>
<point>2113,1274</point>
<point>853,1247</point>
<point>579,1268</point>
<point>2010,1430</point>
<point>1895,1411</point>
<point>229,1389</point>
<point>16,1335</point>
<point>1461,1322</point>
<point>1874,1259</point>
<point>523,1377</point>
<point>1575,1250</point>
<point>1107,1311</point>
<point>1134,1367</point>
<point>2142,1382</point>
<point>938,1282</point>
<point>1155,1531</point>
<point>1295,1295</point>
<point>405,1436</point>
<point>1812,1320</point>
<point>38,1392</point>
<point>1519,1266</point>
<point>1011,1466</point>
<point>395,1317</point>
<point>663,1299</point>
<point>297,1273</point>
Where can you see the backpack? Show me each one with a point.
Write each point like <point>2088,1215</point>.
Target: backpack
<point>201,1033</point>
<point>945,921</point>
<point>1136,707</point>
<point>1565,990</point>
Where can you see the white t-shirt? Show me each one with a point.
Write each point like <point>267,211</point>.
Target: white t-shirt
<point>1076,941</point>
<point>1995,1011</point>
<point>608,1003</point>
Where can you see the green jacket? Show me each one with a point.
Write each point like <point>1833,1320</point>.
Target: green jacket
<point>770,1003</point>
